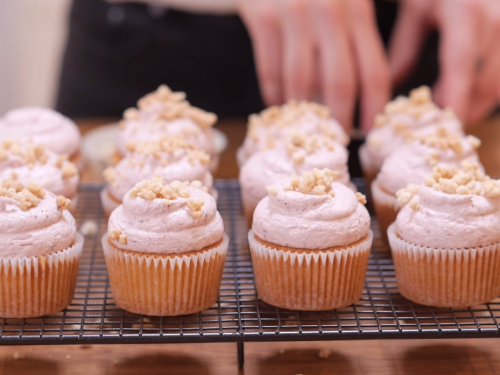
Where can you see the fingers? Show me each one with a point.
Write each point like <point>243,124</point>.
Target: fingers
<point>486,89</point>
<point>459,24</point>
<point>298,51</point>
<point>408,37</point>
<point>372,64</point>
<point>262,21</point>
<point>336,64</point>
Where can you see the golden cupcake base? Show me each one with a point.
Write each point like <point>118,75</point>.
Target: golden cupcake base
<point>165,284</point>
<point>310,280</point>
<point>39,285</point>
<point>452,278</point>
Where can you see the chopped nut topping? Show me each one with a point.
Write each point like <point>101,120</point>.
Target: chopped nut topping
<point>317,182</point>
<point>405,195</point>
<point>109,174</point>
<point>299,145</point>
<point>169,144</point>
<point>474,141</point>
<point>29,153</point>
<point>114,234</point>
<point>157,188</point>
<point>63,203</point>
<point>361,198</point>
<point>171,105</point>
<point>414,205</point>
<point>418,103</point>
<point>28,196</point>
<point>122,239</point>
<point>272,189</point>
<point>69,170</point>
<point>287,115</point>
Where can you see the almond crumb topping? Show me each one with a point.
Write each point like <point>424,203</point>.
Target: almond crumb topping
<point>157,188</point>
<point>63,203</point>
<point>122,239</point>
<point>169,144</point>
<point>361,198</point>
<point>418,103</point>
<point>443,140</point>
<point>171,105</point>
<point>69,170</point>
<point>114,234</point>
<point>299,145</point>
<point>27,196</point>
<point>404,196</point>
<point>272,190</point>
<point>317,182</point>
<point>29,153</point>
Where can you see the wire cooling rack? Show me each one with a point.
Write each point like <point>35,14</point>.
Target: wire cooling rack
<point>238,315</point>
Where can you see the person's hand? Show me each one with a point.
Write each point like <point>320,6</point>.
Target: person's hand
<point>469,53</point>
<point>305,48</point>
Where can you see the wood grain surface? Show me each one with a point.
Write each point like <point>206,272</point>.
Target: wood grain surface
<point>419,357</point>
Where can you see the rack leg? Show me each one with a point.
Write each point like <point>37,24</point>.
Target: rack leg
<point>241,354</point>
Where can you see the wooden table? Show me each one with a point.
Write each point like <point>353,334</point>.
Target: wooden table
<point>419,357</point>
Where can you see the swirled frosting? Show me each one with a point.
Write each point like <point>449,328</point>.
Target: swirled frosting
<point>33,222</point>
<point>453,209</point>
<point>403,117</point>
<point>411,163</point>
<point>326,214</point>
<point>267,167</point>
<point>170,157</point>
<point>26,162</point>
<point>268,129</point>
<point>156,217</point>
<point>164,112</point>
<point>42,126</point>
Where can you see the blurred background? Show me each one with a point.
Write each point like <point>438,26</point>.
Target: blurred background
<point>31,51</point>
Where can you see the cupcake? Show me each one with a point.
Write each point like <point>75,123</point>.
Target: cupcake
<point>310,243</point>
<point>446,239</point>
<point>170,157</point>
<point>26,162</point>
<point>269,128</point>
<point>164,112</point>
<point>43,126</point>
<point>297,154</point>
<point>402,117</point>
<point>39,249</point>
<point>165,249</point>
<point>411,163</point>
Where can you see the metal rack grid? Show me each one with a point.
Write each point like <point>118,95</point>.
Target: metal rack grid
<point>239,316</point>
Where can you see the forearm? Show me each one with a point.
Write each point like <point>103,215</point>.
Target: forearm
<point>195,6</point>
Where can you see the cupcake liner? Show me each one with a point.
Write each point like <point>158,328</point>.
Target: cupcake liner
<point>39,285</point>
<point>446,277</point>
<point>165,284</point>
<point>108,202</point>
<point>386,207</point>
<point>310,280</point>
<point>249,205</point>
<point>369,170</point>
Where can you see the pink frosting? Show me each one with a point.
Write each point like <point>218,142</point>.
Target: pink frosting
<point>147,128</point>
<point>152,227</point>
<point>41,230</point>
<point>450,220</point>
<point>137,167</point>
<point>42,126</point>
<point>267,167</point>
<point>302,221</point>
<point>382,141</point>
<point>269,137</point>
<point>410,164</point>
<point>48,174</point>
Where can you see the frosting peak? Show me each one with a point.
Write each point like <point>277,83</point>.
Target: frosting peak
<point>455,208</point>
<point>33,221</point>
<point>311,212</point>
<point>157,217</point>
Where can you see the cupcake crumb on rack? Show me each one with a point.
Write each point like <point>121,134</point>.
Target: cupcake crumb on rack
<point>89,228</point>
<point>28,196</point>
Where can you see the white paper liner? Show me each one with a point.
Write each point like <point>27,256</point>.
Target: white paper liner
<point>160,285</point>
<point>386,207</point>
<point>446,277</point>
<point>310,281</point>
<point>369,170</point>
<point>39,285</point>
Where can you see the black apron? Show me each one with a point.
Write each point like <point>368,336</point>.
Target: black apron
<point>116,53</point>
